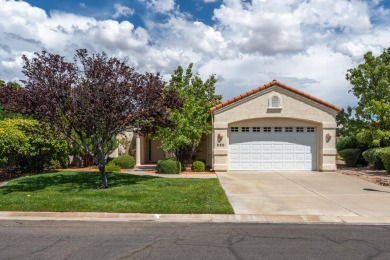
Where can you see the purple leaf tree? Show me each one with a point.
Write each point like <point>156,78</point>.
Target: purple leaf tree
<point>91,100</point>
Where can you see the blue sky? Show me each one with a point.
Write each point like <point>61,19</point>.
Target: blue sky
<point>198,9</point>
<point>308,45</point>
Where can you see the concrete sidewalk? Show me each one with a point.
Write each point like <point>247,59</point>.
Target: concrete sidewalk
<point>148,170</point>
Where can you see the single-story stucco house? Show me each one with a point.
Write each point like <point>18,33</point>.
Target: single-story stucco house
<point>272,127</point>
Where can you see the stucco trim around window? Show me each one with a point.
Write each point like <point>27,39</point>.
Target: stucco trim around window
<point>275,101</point>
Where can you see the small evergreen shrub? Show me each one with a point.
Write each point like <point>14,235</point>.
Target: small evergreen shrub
<point>125,161</point>
<point>168,166</point>
<point>348,142</point>
<point>112,167</point>
<point>198,166</point>
<point>385,156</point>
<point>372,156</point>
<point>350,156</point>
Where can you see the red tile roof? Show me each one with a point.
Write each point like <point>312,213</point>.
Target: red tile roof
<point>271,84</point>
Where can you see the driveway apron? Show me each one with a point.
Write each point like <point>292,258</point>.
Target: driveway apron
<point>304,193</point>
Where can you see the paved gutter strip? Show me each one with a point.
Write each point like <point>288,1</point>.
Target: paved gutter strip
<point>195,218</point>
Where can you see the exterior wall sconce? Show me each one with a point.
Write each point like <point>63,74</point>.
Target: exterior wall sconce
<point>328,137</point>
<point>220,137</point>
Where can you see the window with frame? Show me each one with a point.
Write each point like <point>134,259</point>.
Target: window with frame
<point>233,129</point>
<point>299,129</point>
<point>245,129</point>
<point>256,129</point>
<point>310,130</point>
<point>278,129</point>
<point>275,101</point>
<point>267,129</point>
<point>289,129</point>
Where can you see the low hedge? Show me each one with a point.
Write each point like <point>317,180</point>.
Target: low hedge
<point>350,156</point>
<point>372,156</point>
<point>168,166</point>
<point>125,161</point>
<point>348,142</point>
<point>385,156</point>
<point>112,167</point>
<point>198,166</point>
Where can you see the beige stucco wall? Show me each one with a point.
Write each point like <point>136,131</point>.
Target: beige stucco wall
<point>127,136</point>
<point>295,111</point>
<point>204,150</point>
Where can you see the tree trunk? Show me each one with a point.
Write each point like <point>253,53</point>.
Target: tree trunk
<point>103,176</point>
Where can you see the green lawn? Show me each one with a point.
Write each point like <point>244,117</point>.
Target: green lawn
<point>78,191</point>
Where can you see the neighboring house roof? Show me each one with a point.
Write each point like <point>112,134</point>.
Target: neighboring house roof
<point>271,84</point>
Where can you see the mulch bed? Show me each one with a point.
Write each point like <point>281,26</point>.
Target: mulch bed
<point>366,173</point>
<point>185,172</point>
<point>197,173</point>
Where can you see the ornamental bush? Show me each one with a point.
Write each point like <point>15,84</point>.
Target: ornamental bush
<point>348,142</point>
<point>112,167</point>
<point>29,146</point>
<point>351,142</point>
<point>198,166</point>
<point>385,156</point>
<point>372,156</point>
<point>168,166</point>
<point>350,156</point>
<point>125,161</point>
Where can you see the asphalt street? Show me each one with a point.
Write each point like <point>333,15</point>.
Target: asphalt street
<point>151,240</point>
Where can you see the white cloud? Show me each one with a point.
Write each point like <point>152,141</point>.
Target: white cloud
<point>122,10</point>
<point>309,45</point>
<point>160,6</point>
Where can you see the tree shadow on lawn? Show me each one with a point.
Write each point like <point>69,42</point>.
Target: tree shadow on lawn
<point>70,181</point>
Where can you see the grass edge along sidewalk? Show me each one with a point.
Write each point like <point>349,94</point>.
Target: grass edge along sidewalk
<point>70,191</point>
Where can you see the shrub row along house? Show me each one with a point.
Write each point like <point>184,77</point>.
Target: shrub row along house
<point>272,127</point>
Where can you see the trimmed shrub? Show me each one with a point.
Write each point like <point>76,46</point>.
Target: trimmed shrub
<point>112,167</point>
<point>168,166</point>
<point>372,156</point>
<point>350,156</point>
<point>27,145</point>
<point>351,142</point>
<point>198,166</point>
<point>125,161</point>
<point>348,142</point>
<point>385,156</point>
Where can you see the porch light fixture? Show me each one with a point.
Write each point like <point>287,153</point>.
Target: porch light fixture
<point>220,137</point>
<point>328,137</point>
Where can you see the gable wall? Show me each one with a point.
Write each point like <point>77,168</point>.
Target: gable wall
<point>293,106</point>
<point>296,111</point>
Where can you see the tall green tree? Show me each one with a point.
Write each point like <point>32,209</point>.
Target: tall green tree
<point>371,85</point>
<point>193,120</point>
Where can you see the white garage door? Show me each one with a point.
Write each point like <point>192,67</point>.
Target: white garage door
<point>272,148</point>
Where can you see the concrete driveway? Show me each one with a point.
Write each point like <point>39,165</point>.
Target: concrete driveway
<point>304,193</point>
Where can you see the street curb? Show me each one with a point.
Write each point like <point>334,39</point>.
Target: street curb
<point>194,218</point>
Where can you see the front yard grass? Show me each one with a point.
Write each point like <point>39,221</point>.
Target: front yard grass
<point>67,191</point>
